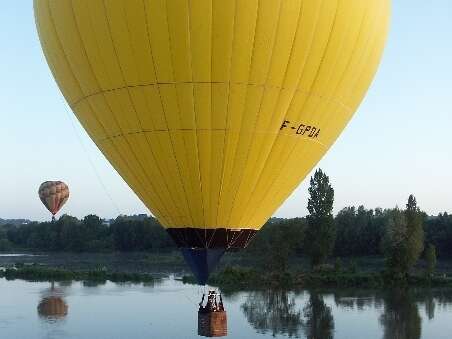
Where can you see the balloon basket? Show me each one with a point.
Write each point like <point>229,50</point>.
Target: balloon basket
<point>212,321</point>
<point>212,324</point>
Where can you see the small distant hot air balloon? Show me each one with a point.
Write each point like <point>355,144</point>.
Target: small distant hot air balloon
<point>53,195</point>
<point>213,111</point>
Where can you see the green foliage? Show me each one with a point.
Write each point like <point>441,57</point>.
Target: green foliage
<point>37,273</point>
<point>320,233</point>
<point>353,266</point>
<point>404,239</point>
<point>5,245</point>
<point>438,232</point>
<point>338,265</point>
<point>277,241</point>
<point>415,231</point>
<point>359,231</point>
<point>430,257</point>
<point>91,235</point>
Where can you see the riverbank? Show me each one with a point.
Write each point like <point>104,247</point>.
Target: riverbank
<point>236,277</point>
<point>234,271</point>
<point>37,273</point>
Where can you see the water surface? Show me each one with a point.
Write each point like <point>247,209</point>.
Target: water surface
<point>168,309</point>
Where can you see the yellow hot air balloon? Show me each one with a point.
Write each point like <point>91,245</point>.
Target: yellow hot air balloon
<point>213,111</point>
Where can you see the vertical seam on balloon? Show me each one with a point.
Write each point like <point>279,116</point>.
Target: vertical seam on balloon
<point>209,219</point>
<point>139,121</point>
<point>364,17</point>
<point>163,106</point>
<point>195,114</point>
<point>177,96</point>
<point>272,183</point>
<point>241,125</point>
<point>351,111</point>
<point>227,113</point>
<point>307,151</point>
<point>57,38</point>
<point>146,193</point>
<point>94,76</point>
<point>368,47</point>
<point>368,41</point>
<point>260,106</point>
<point>145,175</point>
<point>340,80</point>
<point>300,15</point>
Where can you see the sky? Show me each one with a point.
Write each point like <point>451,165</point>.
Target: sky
<point>398,143</point>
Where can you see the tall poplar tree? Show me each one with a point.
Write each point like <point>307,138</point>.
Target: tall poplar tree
<point>320,232</point>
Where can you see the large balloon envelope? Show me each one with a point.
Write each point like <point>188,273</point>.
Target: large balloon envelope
<point>213,111</point>
<point>53,195</point>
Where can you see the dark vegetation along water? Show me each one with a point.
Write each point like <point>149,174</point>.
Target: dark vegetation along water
<point>167,308</point>
<point>141,245</point>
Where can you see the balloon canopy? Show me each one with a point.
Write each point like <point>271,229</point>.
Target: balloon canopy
<point>53,195</point>
<point>213,111</point>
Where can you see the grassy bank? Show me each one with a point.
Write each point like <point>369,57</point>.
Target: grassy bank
<point>236,271</point>
<point>37,273</point>
<point>241,278</point>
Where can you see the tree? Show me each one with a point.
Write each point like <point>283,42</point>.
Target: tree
<point>320,232</point>
<point>415,231</point>
<point>404,239</point>
<point>430,257</point>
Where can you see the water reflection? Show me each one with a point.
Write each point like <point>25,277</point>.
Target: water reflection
<point>430,305</point>
<point>401,319</point>
<point>78,311</point>
<point>273,311</point>
<point>319,322</point>
<point>307,314</point>
<point>52,306</point>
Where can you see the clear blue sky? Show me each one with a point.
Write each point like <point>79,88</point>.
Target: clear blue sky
<point>399,142</point>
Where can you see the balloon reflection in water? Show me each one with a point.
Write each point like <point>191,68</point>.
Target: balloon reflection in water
<point>52,305</point>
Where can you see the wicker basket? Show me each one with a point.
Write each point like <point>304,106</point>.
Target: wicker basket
<point>212,324</point>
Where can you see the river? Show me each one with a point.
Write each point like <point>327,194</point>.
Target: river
<point>168,309</point>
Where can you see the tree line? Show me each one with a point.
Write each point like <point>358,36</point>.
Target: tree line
<point>401,235</point>
<point>90,234</point>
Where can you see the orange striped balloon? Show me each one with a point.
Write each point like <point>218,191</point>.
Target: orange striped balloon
<point>53,195</point>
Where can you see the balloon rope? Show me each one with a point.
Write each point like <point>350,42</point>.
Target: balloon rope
<point>99,179</point>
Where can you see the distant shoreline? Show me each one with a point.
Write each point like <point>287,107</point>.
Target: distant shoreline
<point>232,278</point>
